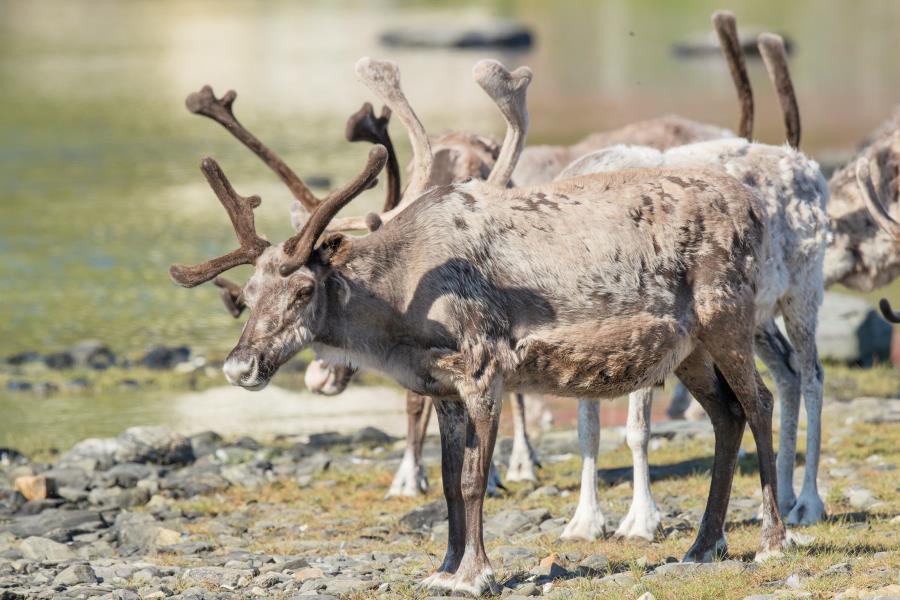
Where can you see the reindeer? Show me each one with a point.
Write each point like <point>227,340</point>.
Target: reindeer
<point>797,225</point>
<point>458,155</point>
<point>652,270</point>
<point>888,179</point>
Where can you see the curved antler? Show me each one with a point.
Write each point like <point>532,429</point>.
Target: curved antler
<point>383,78</point>
<point>771,48</point>
<point>300,247</point>
<point>364,126</point>
<point>240,211</point>
<point>220,110</point>
<point>508,92</point>
<point>873,202</point>
<point>726,28</point>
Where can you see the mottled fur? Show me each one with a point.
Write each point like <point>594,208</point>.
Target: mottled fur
<point>795,196</point>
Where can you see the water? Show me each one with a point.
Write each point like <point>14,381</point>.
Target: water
<point>99,185</point>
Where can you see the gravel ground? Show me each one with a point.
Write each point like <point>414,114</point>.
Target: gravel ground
<point>153,514</point>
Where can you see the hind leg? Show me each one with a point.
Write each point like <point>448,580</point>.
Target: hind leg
<point>643,519</point>
<point>699,375</point>
<point>734,360</point>
<point>523,459</point>
<point>778,356</point>
<point>588,522</point>
<point>800,314</point>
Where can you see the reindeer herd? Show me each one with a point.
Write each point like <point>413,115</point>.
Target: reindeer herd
<point>590,271</point>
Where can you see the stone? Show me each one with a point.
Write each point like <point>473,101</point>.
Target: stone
<point>347,585</point>
<point>74,575</point>
<point>860,498</point>
<point>550,567</point>
<point>546,491</point>
<point>837,569</point>
<point>92,354</point>
<point>489,34</point>
<point>140,530</point>
<point>71,477</point>
<point>125,475</point>
<point>510,522</point>
<point>10,456</point>
<point>595,565</point>
<point>198,479</point>
<point>45,550</point>
<point>851,331</point>
<point>646,596</point>
<point>59,361</point>
<point>425,516</point>
<point>516,555</point>
<point>205,443</point>
<point>219,577</point>
<point>23,358</point>
<point>307,573</point>
<point>118,498</point>
<point>36,487</point>
<point>371,437</point>
<point>153,445</point>
<point>57,524</point>
<point>164,357</point>
<point>18,385</point>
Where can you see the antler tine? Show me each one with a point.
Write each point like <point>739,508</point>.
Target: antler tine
<point>220,110</point>
<point>774,55</point>
<point>726,28</point>
<point>363,125</point>
<point>887,312</point>
<point>508,92</point>
<point>230,292</point>
<point>873,202</point>
<point>383,78</point>
<point>240,211</point>
<point>300,246</point>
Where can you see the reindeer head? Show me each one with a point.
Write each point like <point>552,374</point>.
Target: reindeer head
<point>286,294</point>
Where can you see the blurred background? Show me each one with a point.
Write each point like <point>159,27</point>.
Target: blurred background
<point>100,188</point>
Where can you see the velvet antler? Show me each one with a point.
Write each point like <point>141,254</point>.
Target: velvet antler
<point>508,90</point>
<point>726,28</point>
<point>240,211</point>
<point>300,246</point>
<point>774,54</point>
<point>231,294</point>
<point>364,126</point>
<point>220,110</point>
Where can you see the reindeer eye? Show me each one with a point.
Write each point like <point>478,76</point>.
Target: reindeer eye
<point>305,292</point>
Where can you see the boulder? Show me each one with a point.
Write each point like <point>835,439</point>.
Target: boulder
<point>45,550</point>
<point>136,445</point>
<point>56,523</point>
<point>74,575</point>
<point>23,358</point>
<point>59,360</point>
<point>425,516</point>
<point>205,443</point>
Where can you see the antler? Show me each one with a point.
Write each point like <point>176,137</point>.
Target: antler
<point>873,202</point>
<point>240,211</point>
<point>508,92</point>
<point>300,246</point>
<point>887,312</point>
<point>363,125</point>
<point>231,296</point>
<point>219,110</point>
<point>383,78</point>
<point>774,55</point>
<point>726,28</point>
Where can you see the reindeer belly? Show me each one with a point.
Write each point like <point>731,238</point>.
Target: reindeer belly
<point>605,359</point>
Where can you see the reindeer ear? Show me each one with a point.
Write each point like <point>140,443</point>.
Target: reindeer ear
<point>333,250</point>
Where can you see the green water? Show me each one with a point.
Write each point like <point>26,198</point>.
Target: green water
<point>99,183</point>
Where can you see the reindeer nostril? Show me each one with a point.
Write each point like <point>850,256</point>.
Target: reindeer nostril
<point>237,370</point>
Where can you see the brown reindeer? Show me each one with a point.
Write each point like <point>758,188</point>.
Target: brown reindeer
<point>650,270</point>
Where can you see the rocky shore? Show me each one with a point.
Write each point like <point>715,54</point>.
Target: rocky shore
<point>153,514</point>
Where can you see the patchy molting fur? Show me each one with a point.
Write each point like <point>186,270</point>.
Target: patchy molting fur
<point>795,195</point>
<point>539,164</point>
<point>862,256</point>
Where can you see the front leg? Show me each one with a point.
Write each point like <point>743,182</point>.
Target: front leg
<point>482,405</point>
<point>411,479</point>
<point>452,421</point>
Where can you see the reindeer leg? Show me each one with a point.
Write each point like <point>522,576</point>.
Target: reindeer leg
<point>474,575</point>
<point>410,479</point>
<point>522,459</point>
<point>643,519</point>
<point>778,356</point>
<point>588,522</point>
<point>699,375</point>
<point>800,314</point>
<point>452,422</point>
<point>680,403</point>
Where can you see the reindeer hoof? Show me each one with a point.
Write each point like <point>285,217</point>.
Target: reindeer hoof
<point>643,521</point>
<point>587,523</point>
<point>706,554</point>
<point>808,510</point>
